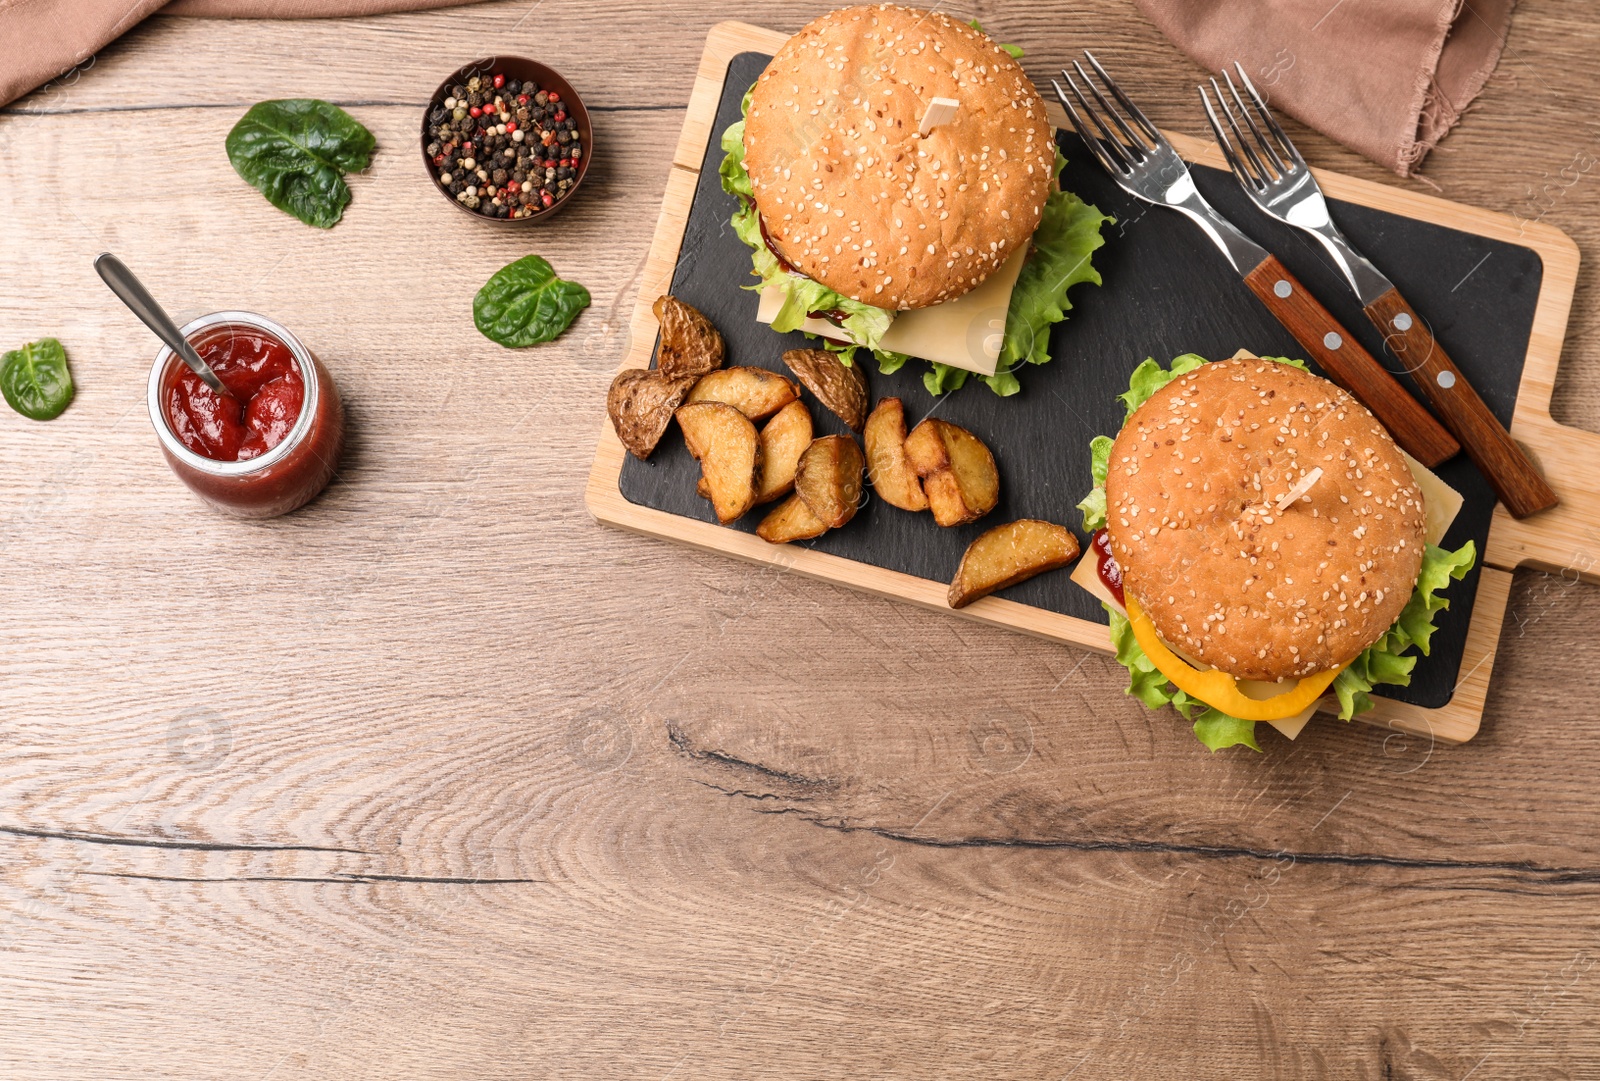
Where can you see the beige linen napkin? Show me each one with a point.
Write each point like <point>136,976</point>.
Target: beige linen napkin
<point>41,40</point>
<point>1387,78</point>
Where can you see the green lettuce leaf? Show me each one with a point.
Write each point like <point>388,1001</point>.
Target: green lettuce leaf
<point>1213,727</point>
<point>1067,237</point>
<point>1382,662</point>
<point>1094,504</point>
<point>1063,246</point>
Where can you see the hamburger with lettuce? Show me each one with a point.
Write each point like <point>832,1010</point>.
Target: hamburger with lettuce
<point>1260,541</point>
<point>897,184</point>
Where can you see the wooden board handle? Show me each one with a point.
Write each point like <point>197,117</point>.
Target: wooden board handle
<point>1564,540</point>
<point>1509,472</point>
<point>1349,365</point>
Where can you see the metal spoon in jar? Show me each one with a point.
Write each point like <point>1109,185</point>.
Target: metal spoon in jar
<point>131,291</point>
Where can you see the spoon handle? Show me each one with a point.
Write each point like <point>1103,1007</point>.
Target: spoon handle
<point>131,291</point>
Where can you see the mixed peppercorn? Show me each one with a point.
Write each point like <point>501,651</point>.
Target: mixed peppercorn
<point>504,149</point>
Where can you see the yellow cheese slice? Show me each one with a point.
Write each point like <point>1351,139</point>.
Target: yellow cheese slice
<point>964,333</point>
<point>1440,502</point>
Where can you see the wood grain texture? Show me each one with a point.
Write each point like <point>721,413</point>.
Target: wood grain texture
<point>473,787</point>
<point>1456,722</point>
<point>1349,364</point>
<point>1515,478</point>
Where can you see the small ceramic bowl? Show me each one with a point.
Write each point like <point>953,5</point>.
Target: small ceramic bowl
<point>521,69</point>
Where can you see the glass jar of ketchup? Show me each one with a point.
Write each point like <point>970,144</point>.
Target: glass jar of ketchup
<point>271,447</point>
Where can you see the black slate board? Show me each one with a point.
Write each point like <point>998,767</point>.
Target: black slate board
<point>1166,291</point>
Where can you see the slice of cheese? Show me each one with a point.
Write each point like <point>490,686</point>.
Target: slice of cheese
<point>1440,502</point>
<point>964,333</point>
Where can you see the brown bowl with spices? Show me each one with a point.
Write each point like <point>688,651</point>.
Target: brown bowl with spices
<point>506,139</point>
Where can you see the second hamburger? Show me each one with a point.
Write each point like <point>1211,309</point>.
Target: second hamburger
<point>1260,540</point>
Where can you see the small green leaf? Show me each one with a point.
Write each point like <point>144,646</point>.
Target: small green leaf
<point>36,380</point>
<point>296,151</point>
<point>525,303</point>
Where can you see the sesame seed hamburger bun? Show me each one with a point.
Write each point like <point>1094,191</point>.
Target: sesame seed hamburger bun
<point>849,193</point>
<point>1192,487</point>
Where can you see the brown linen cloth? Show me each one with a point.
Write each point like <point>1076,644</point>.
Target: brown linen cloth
<point>1387,78</point>
<point>41,40</point>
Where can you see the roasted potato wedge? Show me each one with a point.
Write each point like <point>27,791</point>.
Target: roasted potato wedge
<point>1008,554</point>
<point>790,520</point>
<point>887,468</point>
<point>755,392</point>
<point>728,449</point>
<point>957,471</point>
<point>783,439</point>
<point>640,404</point>
<point>828,478</point>
<point>840,387</point>
<point>690,345</point>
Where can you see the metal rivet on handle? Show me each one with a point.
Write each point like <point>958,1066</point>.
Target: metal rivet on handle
<point>1402,321</point>
<point>1282,288</point>
<point>1446,379</point>
<point>1332,340</point>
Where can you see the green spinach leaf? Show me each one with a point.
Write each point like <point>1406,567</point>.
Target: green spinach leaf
<point>296,151</point>
<point>35,379</point>
<point>525,303</point>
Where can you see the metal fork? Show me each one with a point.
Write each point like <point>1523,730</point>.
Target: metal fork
<point>1277,179</point>
<point>1144,164</point>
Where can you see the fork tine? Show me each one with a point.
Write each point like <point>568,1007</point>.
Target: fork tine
<point>1266,114</point>
<point>1127,102</point>
<point>1089,140</point>
<point>1244,175</point>
<point>1135,147</point>
<point>1106,143</point>
<point>1264,175</point>
<point>1266,144</point>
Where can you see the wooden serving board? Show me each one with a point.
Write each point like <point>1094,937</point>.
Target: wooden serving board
<point>1507,318</point>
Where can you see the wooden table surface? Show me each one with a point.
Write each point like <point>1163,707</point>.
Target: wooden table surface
<point>438,778</point>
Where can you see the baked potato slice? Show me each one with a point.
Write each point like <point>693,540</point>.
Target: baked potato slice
<point>755,392</point>
<point>728,448</point>
<point>790,520</point>
<point>783,439</point>
<point>840,387</point>
<point>888,469</point>
<point>958,473</point>
<point>690,345</point>
<point>640,404</point>
<point>828,478</point>
<point>1008,554</point>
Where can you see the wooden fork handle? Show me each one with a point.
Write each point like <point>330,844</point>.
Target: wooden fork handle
<point>1514,478</point>
<point>1349,365</point>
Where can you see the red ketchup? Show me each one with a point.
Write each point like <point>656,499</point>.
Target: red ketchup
<point>260,373</point>
<point>271,446</point>
<point>1106,565</point>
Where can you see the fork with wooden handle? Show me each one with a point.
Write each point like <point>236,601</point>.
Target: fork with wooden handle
<point>1278,181</point>
<point>1144,164</point>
